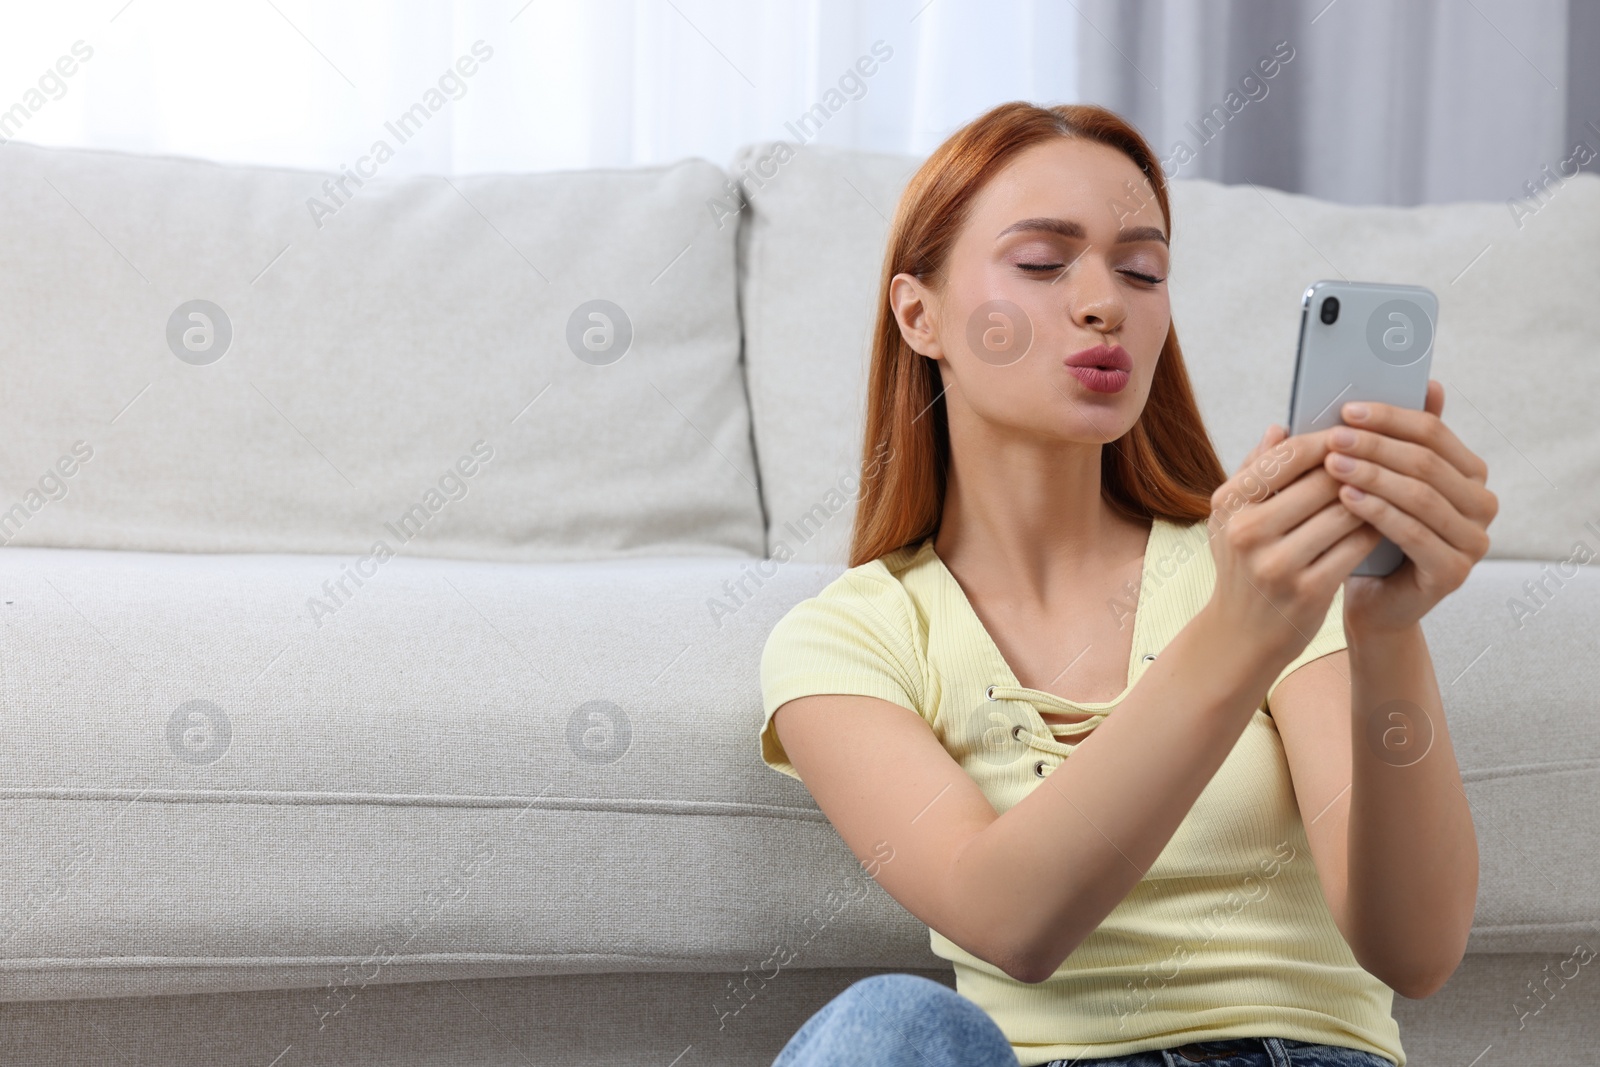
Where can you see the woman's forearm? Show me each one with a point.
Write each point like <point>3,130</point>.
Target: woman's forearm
<point>1413,851</point>
<point>1107,812</point>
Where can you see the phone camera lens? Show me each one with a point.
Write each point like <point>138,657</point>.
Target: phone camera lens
<point>1330,310</point>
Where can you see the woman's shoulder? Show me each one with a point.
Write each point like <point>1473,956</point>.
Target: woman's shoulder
<point>887,576</point>
<point>857,635</point>
<point>872,595</point>
<point>867,614</point>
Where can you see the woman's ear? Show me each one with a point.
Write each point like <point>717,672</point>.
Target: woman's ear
<point>914,309</point>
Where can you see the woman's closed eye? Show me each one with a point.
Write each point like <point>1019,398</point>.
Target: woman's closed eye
<point>1051,268</point>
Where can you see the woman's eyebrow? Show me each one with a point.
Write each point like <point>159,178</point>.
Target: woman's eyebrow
<point>1075,230</point>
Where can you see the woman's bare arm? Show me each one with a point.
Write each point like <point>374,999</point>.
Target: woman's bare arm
<point>1023,889</point>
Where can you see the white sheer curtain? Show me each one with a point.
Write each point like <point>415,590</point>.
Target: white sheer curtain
<point>1431,100</point>
<point>554,84</point>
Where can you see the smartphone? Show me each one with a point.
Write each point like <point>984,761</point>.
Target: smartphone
<point>1362,341</point>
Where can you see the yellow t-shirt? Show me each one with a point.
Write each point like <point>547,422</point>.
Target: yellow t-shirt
<point>1227,935</point>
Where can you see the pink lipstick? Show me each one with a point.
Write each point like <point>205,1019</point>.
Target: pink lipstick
<point>1102,369</point>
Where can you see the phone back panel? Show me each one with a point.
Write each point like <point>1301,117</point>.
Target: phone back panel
<point>1379,347</point>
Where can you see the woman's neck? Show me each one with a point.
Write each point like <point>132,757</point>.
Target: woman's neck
<point>1026,522</point>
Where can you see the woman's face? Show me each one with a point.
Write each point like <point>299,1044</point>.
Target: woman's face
<point>1063,260</point>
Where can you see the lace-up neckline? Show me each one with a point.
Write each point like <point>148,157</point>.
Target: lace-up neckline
<point>1005,686</point>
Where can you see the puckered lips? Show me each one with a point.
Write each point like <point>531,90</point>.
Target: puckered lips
<point>1102,369</point>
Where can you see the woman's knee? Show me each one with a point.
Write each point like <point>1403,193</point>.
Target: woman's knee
<point>912,995</point>
<point>926,1018</point>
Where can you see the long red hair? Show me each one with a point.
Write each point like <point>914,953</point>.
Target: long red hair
<point>1164,466</point>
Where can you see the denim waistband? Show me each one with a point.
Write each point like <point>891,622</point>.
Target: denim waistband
<point>1233,1052</point>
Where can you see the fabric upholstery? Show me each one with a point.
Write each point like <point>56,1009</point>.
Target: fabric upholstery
<point>599,1020</point>
<point>368,355</point>
<point>409,789</point>
<point>473,768</point>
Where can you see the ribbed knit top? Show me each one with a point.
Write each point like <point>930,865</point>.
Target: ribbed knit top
<point>1227,935</point>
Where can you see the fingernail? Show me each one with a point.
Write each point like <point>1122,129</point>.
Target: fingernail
<point>1355,411</point>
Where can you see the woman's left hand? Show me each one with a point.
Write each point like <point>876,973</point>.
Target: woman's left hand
<point>1424,490</point>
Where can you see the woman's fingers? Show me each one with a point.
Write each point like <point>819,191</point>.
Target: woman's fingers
<point>1443,521</point>
<point>1277,463</point>
<point>1302,522</point>
<point>1269,437</point>
<point>1416,475</point>
<point>1345,553</point>
<point>1423,428</point>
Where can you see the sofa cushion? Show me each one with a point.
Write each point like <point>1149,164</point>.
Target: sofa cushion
<point>702,1019</point>
<point>472,769</point>
<point>406,363</point>
<point>1516,346</point>
<point>813,238</point>
<point>479,769</point>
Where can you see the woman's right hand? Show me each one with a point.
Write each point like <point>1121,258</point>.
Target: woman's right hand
<point>1283,542</point>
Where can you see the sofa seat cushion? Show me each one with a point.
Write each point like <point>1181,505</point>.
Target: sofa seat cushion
<point>471,769</point>
<point>479,769</point>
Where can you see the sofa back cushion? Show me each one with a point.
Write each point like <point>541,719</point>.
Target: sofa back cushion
<point>1515,349</point>
<point>230,358</point>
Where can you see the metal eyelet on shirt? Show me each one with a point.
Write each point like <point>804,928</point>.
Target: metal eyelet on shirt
<point>989,692</point>
<point>1148,656</point>
<point>1038,768</point>
<point>1016,732</point>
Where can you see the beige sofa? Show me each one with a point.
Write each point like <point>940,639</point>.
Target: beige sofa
<point>382,626</point>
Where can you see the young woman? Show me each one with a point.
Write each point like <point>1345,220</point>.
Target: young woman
<point>1164,781</point>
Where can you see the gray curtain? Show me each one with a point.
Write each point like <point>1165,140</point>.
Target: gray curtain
<point>1357,101</point>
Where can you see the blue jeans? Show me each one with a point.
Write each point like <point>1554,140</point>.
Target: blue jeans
<point>906,1020</point>
<point>1242,1052</point>
<point>898,1020</point>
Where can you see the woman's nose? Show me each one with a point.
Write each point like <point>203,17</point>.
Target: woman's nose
<point>1094,299</point>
